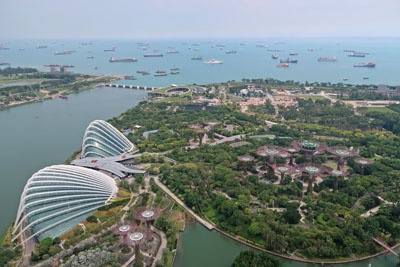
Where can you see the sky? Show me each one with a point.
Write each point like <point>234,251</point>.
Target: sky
<point>129,19</point>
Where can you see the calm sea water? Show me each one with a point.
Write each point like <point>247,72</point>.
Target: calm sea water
<point>249,62</point>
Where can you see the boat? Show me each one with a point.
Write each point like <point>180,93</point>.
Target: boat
<point>4,64</point>
<point>345,79</point>
<point>289,60</point>
<point>327,59</point>
<point>220,45</point>
<point>175,72</point>
<point>41,46</point>
<point>365,65</point>
<point>90,57</point>
<point>153,55</point>
<point>145,73</point>
<point>354,54</point>
<point>196,58</point>
<point>366,78</point>
<point>160,74</point>
<point>4,48</point>
<point>196,49</point>
<point>95,67</point>
<point>230,52</point>
<point>285,65</point>
<point>293,53</point>
<point>175,69</point>
<point>65,52</point>
<point>351,51</point>
<point>213,61</point>
<point>129,77</point>
<point>113,59</point>
<point>109,50</point>
<point>172,52</point>
<point>310,49</point>
<point>64,97</point>
<point>274,56</point>
<point>274,50</point>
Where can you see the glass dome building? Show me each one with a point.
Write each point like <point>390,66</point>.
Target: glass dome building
<point>57,198</point>
<point>103,140</point>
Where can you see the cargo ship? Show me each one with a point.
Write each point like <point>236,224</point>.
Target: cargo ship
<point>230,52</point>
<point>65,52</point>
<point>365,65</point>
<point>197,58</point>
<point>113,59</point>
<point>175,72</point>
<point>285,65</point>
<point>289,60</point>
<point>327,59</point>
<point>213,61</point>
<point>172,52</point>
<point>353,54</point>
<point>153,55</point>
<point>274,56</point>
<point>160,73</point>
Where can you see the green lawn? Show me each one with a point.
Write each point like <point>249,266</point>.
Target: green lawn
<point>380,109</point>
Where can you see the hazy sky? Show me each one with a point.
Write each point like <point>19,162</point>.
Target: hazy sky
<point>200,18</point>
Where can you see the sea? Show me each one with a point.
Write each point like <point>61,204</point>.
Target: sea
<point>253,59</point>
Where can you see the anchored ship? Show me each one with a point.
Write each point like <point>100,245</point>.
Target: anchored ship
<point>153,55</point>
<point>230,52</point>
<point>293,54</point>
<point>353,54</point>
<point>172,52</point>
<point>289,60</point>
<point>365,65</point>
<point>285,65</point>
<point>274,56</point>
<point>327,59</point>
<point>113,59</point>
<point>213,61</point>
<point>197,58</point>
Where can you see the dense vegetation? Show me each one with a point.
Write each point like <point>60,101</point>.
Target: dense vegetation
<point>211,181</point>
<point>251,259</point>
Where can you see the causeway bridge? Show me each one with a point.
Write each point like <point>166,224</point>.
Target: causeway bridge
<point>140,87</point>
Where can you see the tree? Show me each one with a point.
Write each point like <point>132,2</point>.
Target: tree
<point>251,259</point>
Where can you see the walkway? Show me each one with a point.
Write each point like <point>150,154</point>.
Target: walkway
<point>206,224</point>
<point>386,246</point>
<point>163,245</point>
<point>228,139</point>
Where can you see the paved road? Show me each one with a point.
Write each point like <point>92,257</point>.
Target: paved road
<point>208,225</point>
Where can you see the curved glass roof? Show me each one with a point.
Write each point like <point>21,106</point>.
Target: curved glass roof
<point>101,139</point>
<point>57,198</point>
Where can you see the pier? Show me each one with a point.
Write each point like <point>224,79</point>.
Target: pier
<point>140,87</point>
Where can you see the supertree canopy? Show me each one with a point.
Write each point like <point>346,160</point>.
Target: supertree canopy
<point>342,152</point>
<point>363,162</point>
<point>337,174</point>
<point>283,169</point>
<point>310,148</point>
<point>147,214</point>
<point>123,229</point>
<point>313,170</point>
<point>292,150</point>
<point>271,152</point>
<point>246,159</point>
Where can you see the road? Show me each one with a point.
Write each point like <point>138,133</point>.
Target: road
<point>208,225</point>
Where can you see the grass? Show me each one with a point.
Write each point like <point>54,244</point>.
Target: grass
<point>380,109</point>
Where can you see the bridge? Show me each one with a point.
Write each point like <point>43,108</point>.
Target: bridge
<point>386,246</point>
<point>140,87</point>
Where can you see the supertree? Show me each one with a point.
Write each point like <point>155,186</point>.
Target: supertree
<point>342,153</point>
<point>246,159</point>
<point>271,152</point>
<point>137,238</point>
<point>199,131</point>
<point>313,170</point>
<point>283,169</point>
<point>147,214</point>
<point>123,229</point>
<point>292,150</point>
<point>338,174</point>
<point>310,148</point>
<point>363,162</point>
